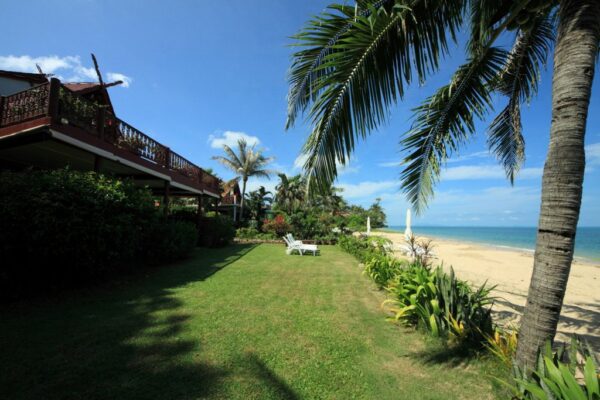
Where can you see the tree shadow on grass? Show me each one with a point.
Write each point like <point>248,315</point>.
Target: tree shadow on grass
<point>117,341</point>
<point>267,378</point>
<point>449,355</point>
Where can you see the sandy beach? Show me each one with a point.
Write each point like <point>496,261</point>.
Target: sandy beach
<point>510,270</point>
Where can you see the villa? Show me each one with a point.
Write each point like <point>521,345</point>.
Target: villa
<point>48,124</point>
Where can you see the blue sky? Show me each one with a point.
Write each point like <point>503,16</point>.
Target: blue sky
<point>201,73</point>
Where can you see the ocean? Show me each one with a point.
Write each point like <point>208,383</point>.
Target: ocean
<point>587,242</point>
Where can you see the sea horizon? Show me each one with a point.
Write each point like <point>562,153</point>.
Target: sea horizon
<point>587,241</point>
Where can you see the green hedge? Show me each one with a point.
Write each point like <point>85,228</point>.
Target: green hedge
<point>215,231</point>
<point>62,228</point>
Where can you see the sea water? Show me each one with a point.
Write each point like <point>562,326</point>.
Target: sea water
<point>587,241</point>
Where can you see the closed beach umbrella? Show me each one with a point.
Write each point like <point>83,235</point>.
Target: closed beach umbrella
<point>368,225</point>
<point>407,231</point>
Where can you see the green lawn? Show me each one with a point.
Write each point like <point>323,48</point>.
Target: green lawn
<point>243,322</point>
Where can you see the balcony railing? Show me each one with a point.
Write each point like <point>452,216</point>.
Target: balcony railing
<point>65,107</point>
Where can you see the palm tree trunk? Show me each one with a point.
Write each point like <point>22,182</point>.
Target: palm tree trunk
<point>574,60</point>
<point>243,198</point>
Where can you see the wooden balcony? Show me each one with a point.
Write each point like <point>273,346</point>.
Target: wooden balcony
<point>61,115</point>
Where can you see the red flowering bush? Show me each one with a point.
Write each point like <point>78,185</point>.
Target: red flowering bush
<point>278,226</point>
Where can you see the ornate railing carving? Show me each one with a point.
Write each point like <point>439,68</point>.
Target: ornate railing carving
<point>26,105</point>
<point>135,141</point>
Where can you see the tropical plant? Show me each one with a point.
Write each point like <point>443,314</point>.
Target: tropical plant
<point>246,163</point>
<point>439,302</point>
<point>356,60</point>
<point>503,344</point>
<point>365,248</point>
<point>560,375</point>
<point>382,269</point>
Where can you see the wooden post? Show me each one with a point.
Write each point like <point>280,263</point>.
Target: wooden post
<point>97,163</point>
<point>199,211</point>
<point>53,98</point>
<point>167,158</point>
<point>166,197</point>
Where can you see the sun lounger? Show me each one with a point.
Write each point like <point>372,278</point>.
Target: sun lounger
<point>297,245</point>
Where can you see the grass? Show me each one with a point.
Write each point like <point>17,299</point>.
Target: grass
<point>242,322</point>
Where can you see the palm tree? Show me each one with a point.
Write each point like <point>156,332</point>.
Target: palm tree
<point>259,200</point>
<point>356,60</point>
<point>246,163</point>
<point>290,193</point>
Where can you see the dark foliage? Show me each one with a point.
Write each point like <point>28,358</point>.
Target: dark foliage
<point>64,228</point>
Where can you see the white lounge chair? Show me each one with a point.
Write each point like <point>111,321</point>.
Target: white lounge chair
<point>297,245</point>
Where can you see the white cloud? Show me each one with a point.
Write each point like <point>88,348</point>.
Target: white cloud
<point>366,189</point>
<point>390,164</point>
<point>478,154</point>
<point>230,138</point>
<point>69,66</point>
<point>474,172</point>
<point>115,76</point>
<point>592,154</point>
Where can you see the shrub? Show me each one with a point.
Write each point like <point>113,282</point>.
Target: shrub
<point>382,269</point>
<point>364,248</point>
<point>278,226</point>
<point>440,303</point>
<point>247,233</point>
<point>215,231</point>
<point>63,228</point>
<point>556,375</point>
<point>173,240</point>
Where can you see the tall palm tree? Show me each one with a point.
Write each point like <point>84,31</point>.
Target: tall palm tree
<point>357,59</point>
<point>290,193</point>
<point>246,163</point>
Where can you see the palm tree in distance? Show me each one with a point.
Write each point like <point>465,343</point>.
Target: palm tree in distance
<point>357,59</point>
<point>290,193</point>
<point>246,163</point>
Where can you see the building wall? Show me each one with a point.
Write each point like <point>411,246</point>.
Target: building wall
<point>10,86</point>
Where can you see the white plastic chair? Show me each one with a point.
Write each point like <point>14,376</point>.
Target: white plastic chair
<point>298,246</point>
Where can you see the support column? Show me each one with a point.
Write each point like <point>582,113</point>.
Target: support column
<point>166,197</point>
<point>97,163</point>
<point>200,212</point>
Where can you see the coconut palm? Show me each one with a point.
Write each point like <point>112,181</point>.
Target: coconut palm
<point>258,201</point>
<point>246,163</point>
<point>290,193</point>
<point>354,64</point>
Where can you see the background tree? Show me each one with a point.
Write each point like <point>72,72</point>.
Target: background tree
<point>258,201</point>
<point>290,193</point>
<point>356,59</point>
<point>377,215</point>
<point>246,163</point>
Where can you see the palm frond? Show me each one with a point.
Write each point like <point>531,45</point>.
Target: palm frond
<point>364,73</point>
<point>445,121</point>
<point>518,81</point>
<point>307,65</point>
<point>232,156</point>
<point>227,163</point>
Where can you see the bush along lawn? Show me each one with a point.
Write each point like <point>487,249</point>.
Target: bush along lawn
<point>66,228</point>
<point>450,309</point>
<point>238,322</point>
